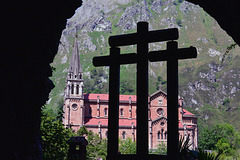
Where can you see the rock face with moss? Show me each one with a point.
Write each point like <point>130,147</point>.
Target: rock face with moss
<point>205,80</point>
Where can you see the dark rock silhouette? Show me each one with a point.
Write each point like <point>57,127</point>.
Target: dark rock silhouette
<point>31,33</point>
<point>226,13</point>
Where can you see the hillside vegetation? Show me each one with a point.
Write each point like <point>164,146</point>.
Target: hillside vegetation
<point>210,87</point>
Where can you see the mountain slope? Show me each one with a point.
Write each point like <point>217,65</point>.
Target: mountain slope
<point>204,80</point>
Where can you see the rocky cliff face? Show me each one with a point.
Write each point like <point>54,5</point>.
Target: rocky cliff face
<point>205,80</point>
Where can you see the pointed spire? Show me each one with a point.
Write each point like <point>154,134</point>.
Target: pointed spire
<point>75,65</point>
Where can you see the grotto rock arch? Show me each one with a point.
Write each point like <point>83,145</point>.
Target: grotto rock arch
<point>30,36</point>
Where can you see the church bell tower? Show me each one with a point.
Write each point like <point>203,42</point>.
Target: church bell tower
<point>74,99</point>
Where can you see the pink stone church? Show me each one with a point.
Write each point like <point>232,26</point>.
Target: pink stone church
<point>91,111</point>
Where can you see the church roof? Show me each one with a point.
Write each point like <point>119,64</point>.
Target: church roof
<point>75,65</point>
<point>104,121</point>
<point>157,94</point>
<point>185,112</point>
<point>93,96</point>
<point>104,97</point>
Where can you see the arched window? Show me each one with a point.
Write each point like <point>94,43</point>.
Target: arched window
<point>77,89</point>
<point>69,89</point>
<point>165,134</point>
<point>158,135</point>
<point>105,111</point>
<point>162,134</point>
<point>72,89</point>
<point>121,112</point>
<point>90,111</point>
<point>123,135</point>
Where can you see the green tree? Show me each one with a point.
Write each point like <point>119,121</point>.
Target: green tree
<point>127,146</point>
<point>96,147</point>
<point>60,112</point>
<point>54,138</point>
<point>224,146</point>
<point>221,137</point>
<point>204,155</point>
<point>161,149</point>
<point>125,87</point>
<point>82,131</point>
<point>236,141</point>
<point>210,136</point>
<point>95,83</point>
<point>93,73</point>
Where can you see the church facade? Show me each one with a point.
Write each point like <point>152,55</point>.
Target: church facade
<point>91,111</point>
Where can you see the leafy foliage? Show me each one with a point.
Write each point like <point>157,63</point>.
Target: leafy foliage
<point>127,146</point>
<point>204,155</point>
<point>161,149</point>
<point>183,147</point>
<point>186,153</point>
<point>126,87</point>
<point>229,48</point>
<point>220,137</point>
<point>54,138</point>
<point>96,147</point>
<point>82,131</point>
<point>96,82</point>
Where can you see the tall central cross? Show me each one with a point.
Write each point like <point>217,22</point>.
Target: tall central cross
<point>142,38</point>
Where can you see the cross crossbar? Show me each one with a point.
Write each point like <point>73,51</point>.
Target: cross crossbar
<point>182,53</point>
<point>150,37</point>
<point>120,59</point>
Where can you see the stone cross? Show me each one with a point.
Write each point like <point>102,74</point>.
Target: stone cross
<point>171,55</point>
<point>142,38</point>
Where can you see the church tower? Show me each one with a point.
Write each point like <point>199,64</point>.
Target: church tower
<point>74,99</point>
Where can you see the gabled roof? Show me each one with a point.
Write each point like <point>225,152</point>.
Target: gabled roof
<point>185,112</point>
<point>188,114</point>
<point>75,65</point>
<point>157,94</point>
<point>159,118</point>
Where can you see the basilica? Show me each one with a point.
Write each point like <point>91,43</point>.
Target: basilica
<point>91,110</point>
